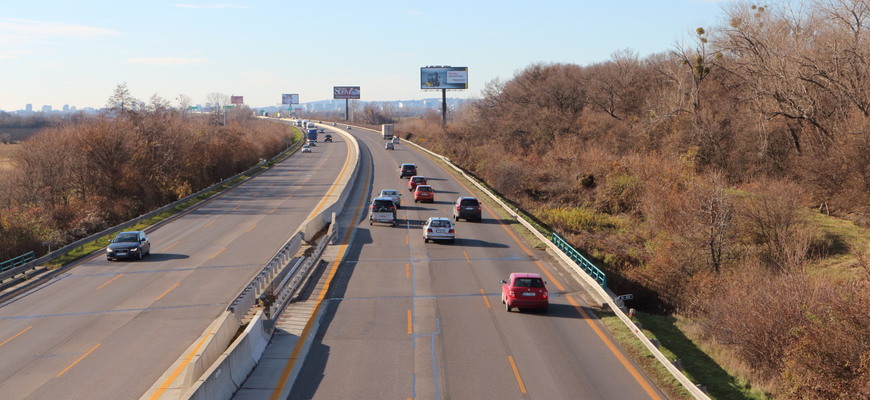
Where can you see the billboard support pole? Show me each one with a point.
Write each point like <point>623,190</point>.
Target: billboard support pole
<point>347,110</point>
<point>443,107</point>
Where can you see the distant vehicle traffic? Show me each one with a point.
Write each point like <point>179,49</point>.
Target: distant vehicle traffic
<point>130,244</point>
<point>311,134</point>
<point>467,208</point>
<point>387,131</point>
<point>306,148</point>
<point>395,140</point>
<point>438,228</point>
<point>383,211</point>
<point>347,127</point>
<point>524,290</point>
<point>424,193</point>
<point>408,170</point>
<point>327,138</point>
<point>389,146</point>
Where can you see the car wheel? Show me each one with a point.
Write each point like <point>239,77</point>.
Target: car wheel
<point>139,256</point>
<point>507,307</point>
<point>370,223</point>
<point>415,200</point>
<point>425,239</point>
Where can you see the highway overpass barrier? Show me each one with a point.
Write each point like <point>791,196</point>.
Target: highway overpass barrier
<point>30,267</point>
<point>598,290</point>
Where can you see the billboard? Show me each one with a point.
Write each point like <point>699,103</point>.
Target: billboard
<point>289,99</point>
<point>443,77</point>
<point>237,100</point>
<point>345,92</point>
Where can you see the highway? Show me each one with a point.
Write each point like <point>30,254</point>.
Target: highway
<point>108,330</point>
<point>406,319</point>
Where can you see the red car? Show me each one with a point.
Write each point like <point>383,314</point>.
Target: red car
<point>415,181</point>
<point>524,290</point>
<point>424,193</point>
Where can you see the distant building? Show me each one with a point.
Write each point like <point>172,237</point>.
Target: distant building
<point>29,107</point>
<point>46,109</point>
<point>66,108</point>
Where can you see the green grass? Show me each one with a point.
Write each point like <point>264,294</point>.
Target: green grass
<point>674,344</point>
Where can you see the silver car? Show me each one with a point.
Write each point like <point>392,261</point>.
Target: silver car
<point>438,228</point>
<point>394,195</point>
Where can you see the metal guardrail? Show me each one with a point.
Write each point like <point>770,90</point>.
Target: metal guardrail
<point>17,261</point>
<point>581,261</point>
<point>298,277</point>
<point>262,283</point>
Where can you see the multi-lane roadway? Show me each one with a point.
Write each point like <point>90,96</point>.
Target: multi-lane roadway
<point>406,319</point>
<point>108,330</point>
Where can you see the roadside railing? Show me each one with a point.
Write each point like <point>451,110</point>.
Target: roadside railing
<point>581,261</point>
<point>17,261</point>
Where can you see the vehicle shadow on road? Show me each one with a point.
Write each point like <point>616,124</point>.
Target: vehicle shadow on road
<point>157,257</point>
<point>478,243</point>
<point>555,310</point>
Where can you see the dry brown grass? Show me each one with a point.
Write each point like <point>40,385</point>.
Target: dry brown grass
<point>6,151</point>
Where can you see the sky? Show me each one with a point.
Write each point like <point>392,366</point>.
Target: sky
<point>56,52</point>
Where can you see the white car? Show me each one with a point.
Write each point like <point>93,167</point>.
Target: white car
<point>306,148</point>
<point>394,195</point>
<point>438,228</point>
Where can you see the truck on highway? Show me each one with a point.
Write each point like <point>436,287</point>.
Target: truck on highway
<point>311,135</point>
<point>387,131</point>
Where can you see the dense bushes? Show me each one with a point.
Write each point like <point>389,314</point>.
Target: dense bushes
<point>78,178</point>
<point>693,175</point>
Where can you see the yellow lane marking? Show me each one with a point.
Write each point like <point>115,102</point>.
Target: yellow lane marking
<point>466,256</point>
<point>167,291</point>
<point>209,223</point>
<point>485,299</point>
<point>236,207</point>
<point>16,335</point>
<point>174,375</point>
<point>273,210</point>
<point>407,270</point>
<point>517,374</point>
<point>607,342</point>
<point>291,362</point>
<point>219,252</point>
<point>170,246</point>
<point>407,238</point>
<point>77,361</point>
<point>410,323</point>
<point>110,281</point>
<point>251,228</point>
<point>616,352</point>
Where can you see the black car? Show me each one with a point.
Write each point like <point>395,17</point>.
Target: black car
<point>467,208</point>
<point>327,138</point>
<point>132,244</point>
<point>407,170</point>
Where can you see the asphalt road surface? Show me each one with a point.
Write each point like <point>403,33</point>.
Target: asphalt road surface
<point>108,330</point>
<point>412,320</point>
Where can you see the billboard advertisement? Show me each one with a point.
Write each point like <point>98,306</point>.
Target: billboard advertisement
<point>289,99</point>
<point>346,92</point>
<point>237,100</point>
<point>444,78</point>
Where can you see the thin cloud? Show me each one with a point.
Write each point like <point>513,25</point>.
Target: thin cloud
<point>202,6</point>
<point>49,28</point>
<point>166,60</point>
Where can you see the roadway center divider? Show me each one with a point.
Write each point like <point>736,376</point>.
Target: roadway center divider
<point>212,367</point>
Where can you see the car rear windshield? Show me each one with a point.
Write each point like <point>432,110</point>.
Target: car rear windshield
<point>383,204</point>
<point>424,188</point>
<point>528,282</point>
<point>468,202</point>
<point>440,223</point>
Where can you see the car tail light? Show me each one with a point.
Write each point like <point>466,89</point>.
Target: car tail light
<point>451,230</point>
<point>513,293</point>
<point>544,295</point>
<point>429,230</point>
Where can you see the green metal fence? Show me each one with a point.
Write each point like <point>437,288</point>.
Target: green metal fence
<point>17,261</point>
<point>578,258</point>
